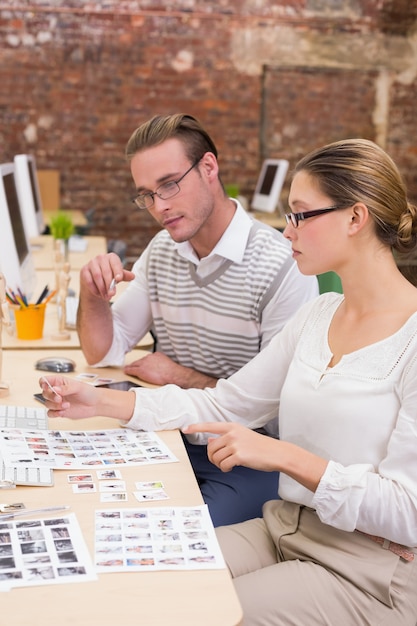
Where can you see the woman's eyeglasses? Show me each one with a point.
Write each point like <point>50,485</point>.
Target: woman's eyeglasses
<point>296,218</point>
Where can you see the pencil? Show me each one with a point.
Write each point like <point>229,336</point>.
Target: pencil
<point>22,296</point>
<point>51,295</point>
<point>21,302</point>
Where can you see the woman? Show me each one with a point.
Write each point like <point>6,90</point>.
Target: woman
<point>340,546</point>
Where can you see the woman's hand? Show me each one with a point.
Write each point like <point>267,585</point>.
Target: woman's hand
<point>238,445</point>
<point>66,397</point>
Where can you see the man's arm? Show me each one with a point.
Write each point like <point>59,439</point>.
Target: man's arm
<point>94,326</point>
<point>159,369</point>
<point>94,316</point>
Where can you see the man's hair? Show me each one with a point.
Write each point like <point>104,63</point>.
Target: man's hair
<point>159,128</point>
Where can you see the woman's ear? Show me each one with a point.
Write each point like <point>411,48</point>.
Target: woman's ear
<point>359,217</point>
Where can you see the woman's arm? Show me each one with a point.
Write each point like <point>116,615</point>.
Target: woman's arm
<point>67,397</point>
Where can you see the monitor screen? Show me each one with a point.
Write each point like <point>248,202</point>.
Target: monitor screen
<point>34,185</point>
<point>16,261</point>
<point>29,194</point>
<point>18,229</point>
<point>269,185</point>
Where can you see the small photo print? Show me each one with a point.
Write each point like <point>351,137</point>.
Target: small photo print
<point>84,488</point>
<point>109,474</point>
<point>150,484</point>
<point>112,486</point>
<point>80,478</point>
<point>104,381</point>
<point>86,376</point>
<point>147,496</point>
<point>113,497</point>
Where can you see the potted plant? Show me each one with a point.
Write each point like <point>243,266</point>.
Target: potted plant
<point>62,227</point>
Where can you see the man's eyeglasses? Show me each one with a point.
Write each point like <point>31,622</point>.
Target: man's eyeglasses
<point>164,191</point>
<point>296,218</point>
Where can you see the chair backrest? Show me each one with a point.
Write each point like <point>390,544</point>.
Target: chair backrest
<point>329,281</point>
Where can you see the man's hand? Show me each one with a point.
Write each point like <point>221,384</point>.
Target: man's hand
<point>159,369</point>
<point>101,275</point>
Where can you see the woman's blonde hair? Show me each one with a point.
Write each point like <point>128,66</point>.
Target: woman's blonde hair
<point>358,170</point>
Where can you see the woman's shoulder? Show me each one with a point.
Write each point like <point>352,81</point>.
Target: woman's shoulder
<point>325,302</point>
<point>319,310</point>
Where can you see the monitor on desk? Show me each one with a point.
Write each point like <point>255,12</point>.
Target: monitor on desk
<point>269,185</point>
<point>16,261</point>
<point>29,194</point>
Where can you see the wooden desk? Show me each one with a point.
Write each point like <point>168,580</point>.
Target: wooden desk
<point>276,220</point>
<point>43,252</point>
<point>49,340</point>
<point>159,598</point>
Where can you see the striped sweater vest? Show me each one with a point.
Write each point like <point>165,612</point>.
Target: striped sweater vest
<point>213,324</point>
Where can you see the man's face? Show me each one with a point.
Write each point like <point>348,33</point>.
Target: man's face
<point>184,214</point>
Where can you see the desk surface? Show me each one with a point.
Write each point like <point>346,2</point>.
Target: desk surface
<point>43,252</point>
<point>159,598</point>
<point>50,340</point>
<point>276,220</point>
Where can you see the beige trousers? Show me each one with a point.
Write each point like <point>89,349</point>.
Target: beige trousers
<point>290,569</point>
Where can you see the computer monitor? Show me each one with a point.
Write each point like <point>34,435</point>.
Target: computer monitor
<point>29,194</point>
<point>269,185</point>
<point>16,261</point>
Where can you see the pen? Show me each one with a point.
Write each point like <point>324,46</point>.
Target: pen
<point>46,381</point>
<point>48,509</point>
<point>43,294</point>
<point>112,284</point>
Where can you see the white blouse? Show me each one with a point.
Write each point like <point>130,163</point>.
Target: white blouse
<point>361,415</point>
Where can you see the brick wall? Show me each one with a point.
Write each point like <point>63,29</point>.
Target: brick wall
<point>267,78</point>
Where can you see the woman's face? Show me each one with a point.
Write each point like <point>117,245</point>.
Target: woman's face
<point>317,241</point>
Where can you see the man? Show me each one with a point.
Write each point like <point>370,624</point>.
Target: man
<point>214,286</point>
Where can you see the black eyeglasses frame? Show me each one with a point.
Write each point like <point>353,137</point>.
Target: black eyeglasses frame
<point>295,218</point>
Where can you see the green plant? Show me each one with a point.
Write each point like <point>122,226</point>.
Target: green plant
<point>61,226</point>
<point>232,190</point>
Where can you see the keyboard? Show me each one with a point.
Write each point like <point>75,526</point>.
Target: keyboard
<point>71,306</point>
<point>77,243</point>
<point>27,476</point>
<point>33,418</point>
<point>12,416</point>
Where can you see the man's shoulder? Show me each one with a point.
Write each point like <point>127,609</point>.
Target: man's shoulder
<point>162,239</point>
<point>263,234</point>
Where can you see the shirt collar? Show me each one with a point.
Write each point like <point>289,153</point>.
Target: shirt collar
<point>232,243</point>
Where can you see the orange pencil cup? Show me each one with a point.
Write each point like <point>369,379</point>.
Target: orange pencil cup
<point>30,321</point>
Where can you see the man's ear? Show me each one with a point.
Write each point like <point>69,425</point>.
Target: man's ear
<point>209,165</point>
